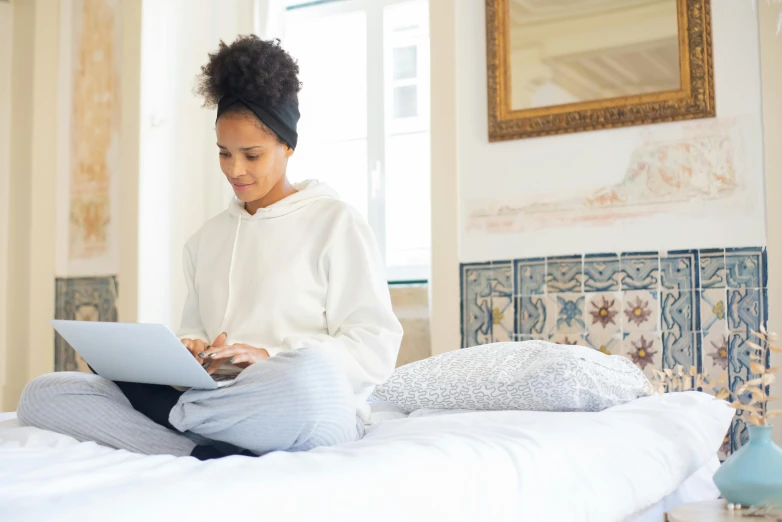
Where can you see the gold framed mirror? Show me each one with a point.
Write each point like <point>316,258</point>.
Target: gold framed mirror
<point>560,66</point>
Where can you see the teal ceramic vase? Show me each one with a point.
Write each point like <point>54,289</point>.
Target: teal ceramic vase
<point>753,475</point>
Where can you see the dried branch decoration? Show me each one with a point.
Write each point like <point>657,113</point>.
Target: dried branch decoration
<point>751,398</point>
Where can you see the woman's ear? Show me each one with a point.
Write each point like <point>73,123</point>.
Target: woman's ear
<point>288,151</point>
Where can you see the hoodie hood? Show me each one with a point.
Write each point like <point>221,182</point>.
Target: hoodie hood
<point>308,192</point>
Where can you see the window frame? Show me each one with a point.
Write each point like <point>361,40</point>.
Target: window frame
<point>380,103</point>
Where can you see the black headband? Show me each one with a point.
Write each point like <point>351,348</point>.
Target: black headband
<point>281,117</point>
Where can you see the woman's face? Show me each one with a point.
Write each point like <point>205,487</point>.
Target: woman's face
<point>252,159</point>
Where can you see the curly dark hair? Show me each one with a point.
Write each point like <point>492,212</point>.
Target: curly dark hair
<point>251,67</point>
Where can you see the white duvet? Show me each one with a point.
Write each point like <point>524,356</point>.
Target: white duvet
<point>498,466</point>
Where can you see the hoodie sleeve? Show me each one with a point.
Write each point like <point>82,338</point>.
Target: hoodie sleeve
<point>191,326</point>
<point>364,334</point>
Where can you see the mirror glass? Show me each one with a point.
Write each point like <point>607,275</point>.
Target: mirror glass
<point>568,51</point>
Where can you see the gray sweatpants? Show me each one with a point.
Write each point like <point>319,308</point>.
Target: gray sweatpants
<point>295,401</point>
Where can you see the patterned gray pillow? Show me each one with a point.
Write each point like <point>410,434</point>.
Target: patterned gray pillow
<point>530,375</point>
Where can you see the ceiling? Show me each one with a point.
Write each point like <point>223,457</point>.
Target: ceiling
<point>528,11</point>
<point>650,67</point>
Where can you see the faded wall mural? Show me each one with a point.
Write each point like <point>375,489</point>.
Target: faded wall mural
<point>662,174</point>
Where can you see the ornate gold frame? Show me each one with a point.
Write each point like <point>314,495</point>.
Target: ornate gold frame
<point>695,98</point>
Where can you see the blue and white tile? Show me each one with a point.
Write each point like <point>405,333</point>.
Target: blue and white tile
<point>640,271</point>
<point>681,348</point>
<point>570,313</point>
<point>725,448</point>
<point>530,276</point>
<point>712,267</point>
<point>536,315</point>
<point>568,338</point>
<point>603,315</point>
<point>738,360</point>
<point>645,350</point>
<point>602,273</point>
<point>679,310</point>
<point>82,299</point>
<point>640,311</point>
<point>714,345</point>
<point>564,274</point>
<point>679,270</point>
<point>713,308</point>
<point>739,434</point>
<point>609,345</point>
<point>744,267</point>
<point>746,310</point>
<point>502,319</point>
<point>481,284</point>
<point>739,356</point>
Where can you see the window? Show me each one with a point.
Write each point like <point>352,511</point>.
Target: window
<point>364,65</point>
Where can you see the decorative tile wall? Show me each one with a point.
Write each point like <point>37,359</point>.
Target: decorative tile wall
<point>688,307</point>
<point>82,299</point>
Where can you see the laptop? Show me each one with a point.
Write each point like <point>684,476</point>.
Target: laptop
<point>130,352</point>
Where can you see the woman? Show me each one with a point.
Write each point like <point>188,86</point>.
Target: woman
<point>285,286</point>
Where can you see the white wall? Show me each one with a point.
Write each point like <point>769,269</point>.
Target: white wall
<point>181,185</point>
<point>536,168</point>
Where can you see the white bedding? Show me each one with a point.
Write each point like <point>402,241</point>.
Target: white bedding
<point>498,466</point>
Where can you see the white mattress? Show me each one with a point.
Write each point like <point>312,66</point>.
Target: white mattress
<point>500,466</point>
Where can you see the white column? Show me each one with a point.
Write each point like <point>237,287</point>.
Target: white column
<point>444,277</point>
<point>31,195</point>
<point>771,82</point>
<point>6,40</point>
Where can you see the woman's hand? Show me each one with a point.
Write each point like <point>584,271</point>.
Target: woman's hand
<point>195,346</point>
<point>242,355</point>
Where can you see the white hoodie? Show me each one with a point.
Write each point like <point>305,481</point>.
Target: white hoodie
<point>305,271</point>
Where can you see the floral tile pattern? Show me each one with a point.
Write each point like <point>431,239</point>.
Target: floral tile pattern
<point>570,313</point>
<point>82,299</point>
<point>640,311</point>
<point>603,319</point>
<point>607,345</point>
<point>659,309</point>
<point>645,350</point>
<point>714,307</point>
<point>563,338</point>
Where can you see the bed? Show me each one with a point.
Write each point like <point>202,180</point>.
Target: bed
<point>627,463</point>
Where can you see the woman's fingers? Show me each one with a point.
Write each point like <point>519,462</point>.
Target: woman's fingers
<point>199,347</point>
<point>239,354</point>
<point>220,341</point>
<point>212,365</point>
<point>222,352</point>
<point>195,347</point>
